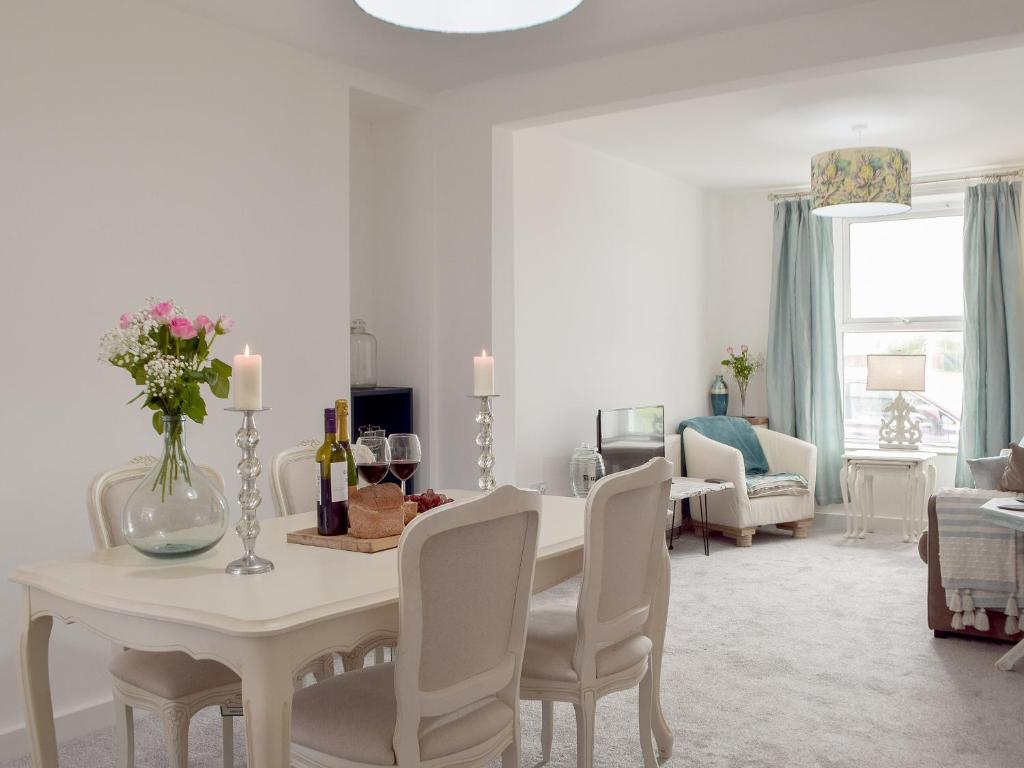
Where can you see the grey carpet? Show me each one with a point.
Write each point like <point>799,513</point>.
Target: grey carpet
<point>811,653</point>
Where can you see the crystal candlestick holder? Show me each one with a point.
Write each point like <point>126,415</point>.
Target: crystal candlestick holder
<point>485,441</point>
<point>249,498</point>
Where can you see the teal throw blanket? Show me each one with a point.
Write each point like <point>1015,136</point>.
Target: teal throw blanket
<point>732,431</point>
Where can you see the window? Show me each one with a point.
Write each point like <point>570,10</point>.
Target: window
<point>903,293</point>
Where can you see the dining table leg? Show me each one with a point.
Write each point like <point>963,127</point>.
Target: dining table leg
<point>34,669</point>
<point>267,690</point>
<point>655,630</point>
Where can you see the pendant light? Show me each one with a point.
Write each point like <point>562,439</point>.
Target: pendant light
<point>858,182</point>
<point>467,16</point>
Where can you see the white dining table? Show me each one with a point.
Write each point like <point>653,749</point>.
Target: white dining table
<point>264,627</point>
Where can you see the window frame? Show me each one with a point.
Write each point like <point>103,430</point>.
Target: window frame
<point>846,324</point>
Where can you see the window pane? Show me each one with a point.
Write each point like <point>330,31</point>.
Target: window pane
<point>907,268</point>
<point>938,407</point>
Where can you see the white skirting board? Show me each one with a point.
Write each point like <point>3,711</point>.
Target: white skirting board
<point>70,723</point>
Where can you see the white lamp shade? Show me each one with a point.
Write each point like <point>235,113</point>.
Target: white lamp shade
<point>896,373</point>
<point>467,16</point>
<point>860,181</point>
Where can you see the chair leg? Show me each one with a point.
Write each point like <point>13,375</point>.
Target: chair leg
<point>124,729</point>
<point>585,712</point>
<point>175,719</point>
<point>227,722</point>
<point>646,709</point>
<point>547,728</point>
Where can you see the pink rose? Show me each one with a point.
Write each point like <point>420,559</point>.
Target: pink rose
<point>182,328</point>
<point>744,348</point>
<point>730,350</point>
<point>162,311</point>
<point>204,324</point>
<point>224,324</point>
<point>126,320</point>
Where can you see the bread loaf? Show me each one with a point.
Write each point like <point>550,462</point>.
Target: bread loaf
<point>376,511</point>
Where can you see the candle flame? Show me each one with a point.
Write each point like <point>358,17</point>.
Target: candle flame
<point>246,350</point>
<point>483,353</point>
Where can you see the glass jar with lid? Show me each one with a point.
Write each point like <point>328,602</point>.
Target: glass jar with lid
<point>585,468</point>
<point>362,356</point>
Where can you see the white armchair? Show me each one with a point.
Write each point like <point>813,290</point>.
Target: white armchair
<point>733,513</point>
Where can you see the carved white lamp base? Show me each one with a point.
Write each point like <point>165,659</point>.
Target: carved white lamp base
<point>899,430</point>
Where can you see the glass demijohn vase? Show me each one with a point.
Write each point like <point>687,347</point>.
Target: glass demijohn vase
<point>362,356</point>
<point>719,396</point>
<point>176,509</point>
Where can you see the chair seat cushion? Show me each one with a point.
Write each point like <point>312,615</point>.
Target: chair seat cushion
<point>776,484</point>
<point>352,716</point>
<point>551,643</point>
<point>170,674</point>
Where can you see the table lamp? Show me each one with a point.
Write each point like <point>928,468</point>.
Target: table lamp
<point>899,374</point>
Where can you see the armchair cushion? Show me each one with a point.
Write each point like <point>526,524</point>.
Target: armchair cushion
<point>734,432</point>
<point>776,484</point>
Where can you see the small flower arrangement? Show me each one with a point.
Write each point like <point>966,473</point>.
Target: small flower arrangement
<point>168,354</point>
<point>742,367</point>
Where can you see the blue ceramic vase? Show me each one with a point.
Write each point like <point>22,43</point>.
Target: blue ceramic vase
<point>719,396</point>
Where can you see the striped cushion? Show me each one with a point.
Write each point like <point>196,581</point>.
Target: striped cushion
<point>777,484</point>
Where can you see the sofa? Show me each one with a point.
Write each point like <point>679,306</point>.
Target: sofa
<point>733,513</point>
<point>940,618</point>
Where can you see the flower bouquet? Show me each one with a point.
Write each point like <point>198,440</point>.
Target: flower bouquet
<point>742,366</point>
<point>167,353</point>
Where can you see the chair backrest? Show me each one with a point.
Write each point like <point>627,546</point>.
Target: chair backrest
<point>465,578</point>
<point>108,493</point>
<point>293,479</point>
<point>622,558</point>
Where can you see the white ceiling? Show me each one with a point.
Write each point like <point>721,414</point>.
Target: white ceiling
<point>952,114</point>
<point>434,61</point>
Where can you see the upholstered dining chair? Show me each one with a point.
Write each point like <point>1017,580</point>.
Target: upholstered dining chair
<point>293,487</point>
<point>581,651</point>
<point>171,684</point>
<point>465,576</point>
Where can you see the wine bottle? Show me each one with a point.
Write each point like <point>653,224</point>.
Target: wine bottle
<point>341,407</point>
<point>332,481</point>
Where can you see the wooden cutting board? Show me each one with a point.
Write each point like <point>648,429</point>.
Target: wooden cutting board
<point>310,537</point>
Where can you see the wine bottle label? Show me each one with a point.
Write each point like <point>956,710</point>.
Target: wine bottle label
<point>339,484</point>
<point>318,485</point>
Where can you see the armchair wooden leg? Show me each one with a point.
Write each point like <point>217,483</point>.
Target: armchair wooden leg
<point>800,528</point>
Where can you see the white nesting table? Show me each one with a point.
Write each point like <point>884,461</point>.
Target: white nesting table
<point>857,482</point>
<point>684,488</point>
<point>264,627</point>
<point>1009,519</point>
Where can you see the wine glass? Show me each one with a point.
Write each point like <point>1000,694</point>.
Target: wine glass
<point>372,456</point>
<point>406,455</point>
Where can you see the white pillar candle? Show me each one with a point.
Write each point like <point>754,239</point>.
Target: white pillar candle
<point>483,374</point>
<point>248,376</point>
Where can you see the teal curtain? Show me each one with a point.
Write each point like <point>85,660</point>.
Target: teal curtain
<point>993,407</point>
<point>804,393</point>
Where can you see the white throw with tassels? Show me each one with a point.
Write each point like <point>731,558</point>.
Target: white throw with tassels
<point>982,564</point>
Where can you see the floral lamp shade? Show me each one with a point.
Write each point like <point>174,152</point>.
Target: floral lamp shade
<point>860,181</point>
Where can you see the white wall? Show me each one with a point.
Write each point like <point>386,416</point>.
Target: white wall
<point>738,287</point>
<point>362,191</point>
<point>147,152</point>
<point>607,314</point>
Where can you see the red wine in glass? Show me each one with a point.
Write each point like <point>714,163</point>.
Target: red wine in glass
<point>373,473</point>
<point>403,470</point>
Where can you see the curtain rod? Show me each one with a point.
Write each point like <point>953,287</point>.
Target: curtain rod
<point>982,177</point>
